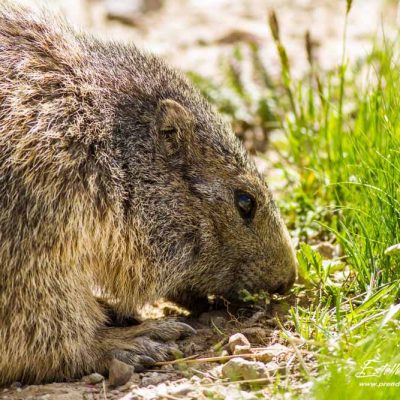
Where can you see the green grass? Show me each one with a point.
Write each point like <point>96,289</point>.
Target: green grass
<point>341,159</point>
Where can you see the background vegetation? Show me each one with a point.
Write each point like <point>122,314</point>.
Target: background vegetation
<point>340,155</point>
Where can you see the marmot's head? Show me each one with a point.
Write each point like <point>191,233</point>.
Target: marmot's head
<point>212,225</point>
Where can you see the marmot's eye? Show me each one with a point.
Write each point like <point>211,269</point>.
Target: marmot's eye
<point>246,205</point>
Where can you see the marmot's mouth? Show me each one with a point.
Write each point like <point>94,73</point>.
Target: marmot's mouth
<point>191,301</point>
<point>198,304</point>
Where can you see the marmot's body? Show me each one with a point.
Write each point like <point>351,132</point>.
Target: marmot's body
<point>115,174</point>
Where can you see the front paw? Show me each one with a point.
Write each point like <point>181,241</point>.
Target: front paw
<point>145,344</point>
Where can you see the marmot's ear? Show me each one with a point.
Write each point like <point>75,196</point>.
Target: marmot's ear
<point>175,125</point>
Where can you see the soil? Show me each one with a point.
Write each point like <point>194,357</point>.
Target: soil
<point>260,323</point>
<point>195,35</point>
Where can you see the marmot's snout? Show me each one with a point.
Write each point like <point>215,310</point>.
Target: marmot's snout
<point>284,271</point>
<point>284,287</point>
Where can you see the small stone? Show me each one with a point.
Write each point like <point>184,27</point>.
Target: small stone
<point>119,373</point>
<point>135,379</point>
<point>153,378</point>
<point>181,390</point>
<point>215,372</point>
<point>93,378</point>
<point>273,367</point>
<point>239,344</point>
<point>272,351</point>
<point>167,367</point>
<point>224,353</point>
<point>128,386</point>
<point>239,368</point>
<point>264,356</point>
<point>132,383</point>
<point>241,350</point>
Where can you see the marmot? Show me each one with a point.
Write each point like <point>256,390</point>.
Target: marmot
<point>115,174</point>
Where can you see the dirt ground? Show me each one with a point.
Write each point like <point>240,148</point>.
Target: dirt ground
<point>195,35</point>
<point>193,380</point>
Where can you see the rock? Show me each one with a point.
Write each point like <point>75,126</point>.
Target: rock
<point>167,367</point>
<point>154,378</point>
<point>241,350</point>
<point>239,368</point>
<point>271,352</point>
<point>273,367</point>
<point>93,378</point>
<point>215,372</point>
<point>239,344</point>
<point>126,387</point>
<point>119,373</point>
<point>195,379</point>
<point>133,382</point>
<point>225,353</point>
<point>264,356</point>
<point>182,389</point>
<point>135,379</point>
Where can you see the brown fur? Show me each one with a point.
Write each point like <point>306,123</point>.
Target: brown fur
<point>114,174</point>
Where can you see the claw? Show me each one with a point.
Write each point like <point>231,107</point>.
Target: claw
<point>166,331</point>
<point>146,360</point>
<point>187,330</point>
<point>147,343</point>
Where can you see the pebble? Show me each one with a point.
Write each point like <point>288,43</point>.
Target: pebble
<point>167,367</point>
<point>93,378</point>
<point>239,368</point>
<point>128,386</point>
<point>181,390</point>
<point>239,344</point>
<point>119,373</point>
<point>272,351</point>
<point>153,378</point>
<point>195,379</point>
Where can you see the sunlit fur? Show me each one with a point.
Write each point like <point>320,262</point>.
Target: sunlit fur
<point>96,193</point>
